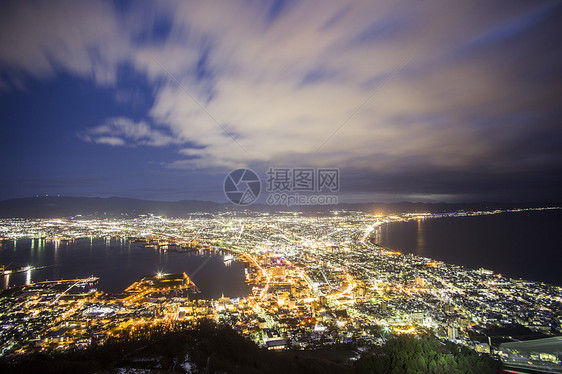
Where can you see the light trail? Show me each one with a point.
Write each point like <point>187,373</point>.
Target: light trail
<point>200,267</point>
<point>89,279</point>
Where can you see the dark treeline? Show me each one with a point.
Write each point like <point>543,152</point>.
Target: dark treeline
<point>406,354</point>
<point>213,349</point>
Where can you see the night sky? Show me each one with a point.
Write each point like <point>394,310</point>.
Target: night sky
<point>411,100</point>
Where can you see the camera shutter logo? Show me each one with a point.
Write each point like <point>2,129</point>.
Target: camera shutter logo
<point>242,186</point>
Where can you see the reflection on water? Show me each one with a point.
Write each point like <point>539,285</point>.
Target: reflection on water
<point>118,264</point>
<point>420,241</point>
<point>377,234</point>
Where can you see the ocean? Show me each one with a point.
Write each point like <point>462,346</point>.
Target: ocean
<point>525,245</point>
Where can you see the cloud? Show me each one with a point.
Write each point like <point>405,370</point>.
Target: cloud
<point>261,89</point>
<point>132,97</point>
<point>41,37</point>
<point>109,140</point>
<point>121,131</point>
<point>386,87</point>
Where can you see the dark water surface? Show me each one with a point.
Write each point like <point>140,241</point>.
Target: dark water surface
<point>118,264</point>
<point>524,245</point>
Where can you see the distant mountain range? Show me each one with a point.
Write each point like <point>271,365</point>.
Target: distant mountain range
<point>55,207</point>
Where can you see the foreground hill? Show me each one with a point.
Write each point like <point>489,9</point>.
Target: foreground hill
<point>218,349</point>
<point>207,349</point>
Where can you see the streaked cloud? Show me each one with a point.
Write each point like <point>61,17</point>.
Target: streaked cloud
<point>42,38</point>
<point>387,87</point>
<point>123,131</point>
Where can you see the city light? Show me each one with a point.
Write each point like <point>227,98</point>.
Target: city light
<point>311,280</point>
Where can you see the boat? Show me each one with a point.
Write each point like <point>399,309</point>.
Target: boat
<point>228,259</point>
<point>6,271</point>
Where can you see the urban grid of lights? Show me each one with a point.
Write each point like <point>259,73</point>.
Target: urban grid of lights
<point>315,281</point>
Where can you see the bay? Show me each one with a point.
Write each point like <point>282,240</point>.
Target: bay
<point>118,264</point>
<point>526,245</point>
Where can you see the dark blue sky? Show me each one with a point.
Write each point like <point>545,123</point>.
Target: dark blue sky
<point>415,101</point>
